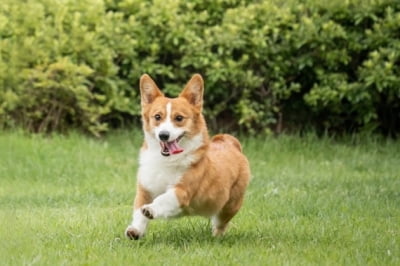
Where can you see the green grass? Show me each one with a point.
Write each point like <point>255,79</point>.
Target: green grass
<point>66,200</point>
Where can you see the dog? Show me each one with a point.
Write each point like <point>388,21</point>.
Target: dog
<point>181,170</point>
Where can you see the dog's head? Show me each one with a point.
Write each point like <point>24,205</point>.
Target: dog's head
<point>176,125</point>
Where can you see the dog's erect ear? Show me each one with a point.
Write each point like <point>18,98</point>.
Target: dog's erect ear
<point>148,90</point>
<point>193,91</point>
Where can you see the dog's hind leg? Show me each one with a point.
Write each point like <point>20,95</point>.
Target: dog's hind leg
<point>221,220</point>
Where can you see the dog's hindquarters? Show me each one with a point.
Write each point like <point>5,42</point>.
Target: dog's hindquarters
<point>220,220</point>
<point>230,147</point>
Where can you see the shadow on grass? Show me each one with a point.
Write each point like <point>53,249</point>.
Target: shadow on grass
<point>196,235</point>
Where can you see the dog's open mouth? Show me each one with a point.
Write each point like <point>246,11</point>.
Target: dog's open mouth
<point>171,147</point>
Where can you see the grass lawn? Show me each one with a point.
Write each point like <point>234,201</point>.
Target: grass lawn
<point>66,200</point>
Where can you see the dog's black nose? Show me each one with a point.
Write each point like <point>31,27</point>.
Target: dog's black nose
<point>163,135</point>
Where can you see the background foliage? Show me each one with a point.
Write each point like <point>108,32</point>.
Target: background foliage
<point>268,65</point>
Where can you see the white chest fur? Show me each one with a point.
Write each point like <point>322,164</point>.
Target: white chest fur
<point>157,173</point>
<point>158,180</point>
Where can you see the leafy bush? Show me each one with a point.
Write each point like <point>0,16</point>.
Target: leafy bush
<point>63,57</point>
<point>268,65</point>
<point>58,94</point>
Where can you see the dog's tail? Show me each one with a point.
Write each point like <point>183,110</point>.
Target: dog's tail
<point>227,139</point>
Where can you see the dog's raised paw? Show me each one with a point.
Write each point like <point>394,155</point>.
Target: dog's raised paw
<point>148,212</point>
<point>132,233</point>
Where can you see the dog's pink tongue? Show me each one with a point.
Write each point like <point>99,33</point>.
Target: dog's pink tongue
<point>174,148</point>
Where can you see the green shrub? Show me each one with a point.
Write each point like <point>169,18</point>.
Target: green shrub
<point>268,65</point>
<point>64,51</point>
<point>362,91</point>
<point>60,93</point>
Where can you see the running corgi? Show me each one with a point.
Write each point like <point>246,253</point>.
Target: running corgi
<point>181,171</point>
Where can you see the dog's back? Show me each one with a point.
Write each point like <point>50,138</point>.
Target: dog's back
<point>225,139</point>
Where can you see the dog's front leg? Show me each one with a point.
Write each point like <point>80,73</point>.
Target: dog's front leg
<point>138,226</point>
<point>139,222</point>
<point>166,205</point>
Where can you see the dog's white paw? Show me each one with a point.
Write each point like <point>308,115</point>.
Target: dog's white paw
<point>148,211</point>
<point>132,233</point>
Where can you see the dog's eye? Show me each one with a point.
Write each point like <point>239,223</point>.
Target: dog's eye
<point>178,118</point>
<point>157,117</point>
